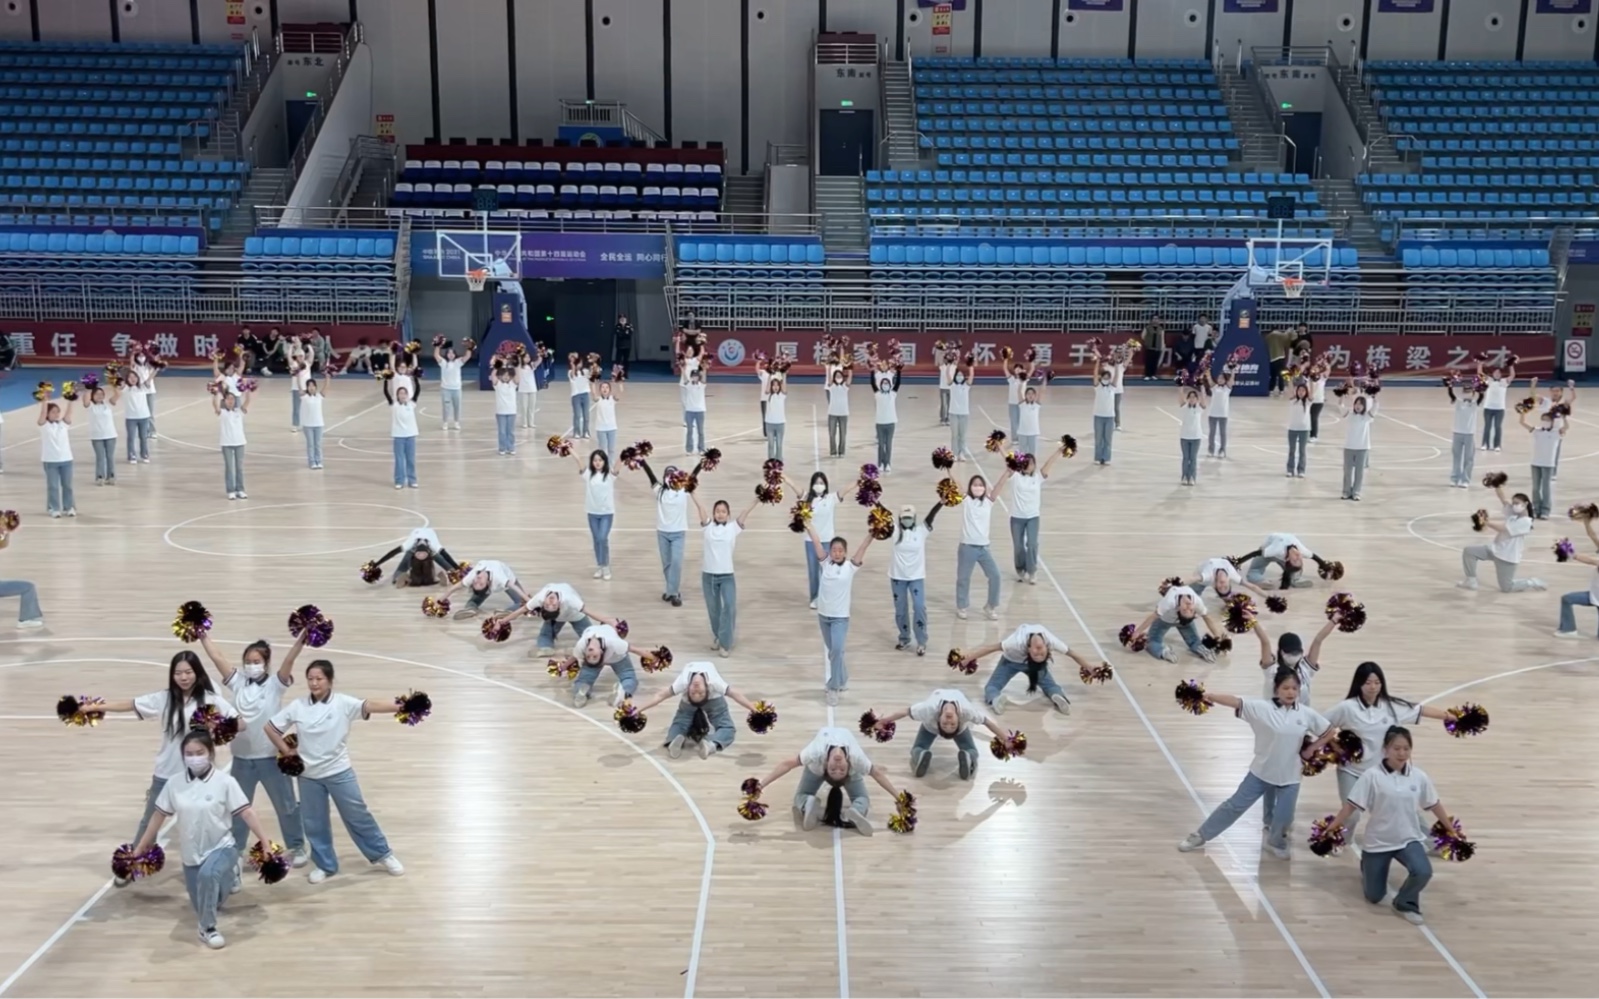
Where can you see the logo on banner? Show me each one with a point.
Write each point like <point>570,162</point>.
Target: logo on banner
<point>505,314</point>
<point>730,353</point>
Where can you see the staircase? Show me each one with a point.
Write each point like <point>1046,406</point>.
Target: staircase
<point>1382,155</point>
<point>1340,197</point>
<point>1260,146</point>
<point>899,117</point>
<point>372,191</point>
<point>841,202</point>
<point>240,221</point>
<point>745,196</point>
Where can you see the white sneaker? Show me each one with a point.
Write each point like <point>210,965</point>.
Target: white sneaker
<point>863,825</point>
<point>1280,852</point>
<point>1169,654</point>
<point>543,650</point>
<point>960,612</point>
<point>1061,704</point>
<point>212,939</point>
<point>73,511</point>
<point>707,749</point>
<point>55,514</point>
<point>1413,918</point>
<point>813,605</point>
<point>1467,584</point>
<point>832,698</point>
<point>1032,579</point>
<point>724,653</point>
<point>810,814</point>
<point>674,749</point>
<point>242,495</point>
<point>1205,654</point>
<point>398,486</point>
<point>233,496</point>
<point>999,704</point>
<point>392,864</point>
<point>1558,634</point>
<point>580,697</point>
<point>301,859</point>
<point>1189,845</point>
<point>318,875</point>
<point>606,573</point>
<point>992,613</point>
<point>618,697</point>
<point>1532,584</point>
<point>38,622</point>
<point>598,572</point>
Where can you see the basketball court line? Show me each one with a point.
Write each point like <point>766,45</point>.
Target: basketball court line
<point>690,974</point>
<point>229,511</point>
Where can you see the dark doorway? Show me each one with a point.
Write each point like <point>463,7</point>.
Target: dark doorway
<point>584,313</point>
<point>298,114</point>
<point>1304,130</point>
<point>849,143</point>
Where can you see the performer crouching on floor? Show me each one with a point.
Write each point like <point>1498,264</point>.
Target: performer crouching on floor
<point>1029,650</point>
<point>702,716</point>
<point>835,759</point>
<point>945,714</point>
<point>419,554</point>
<point>557,605</point>
<point>482,581</point>
<point>1178,608</point>
<point>598,647</point>
<point>1287,553</point>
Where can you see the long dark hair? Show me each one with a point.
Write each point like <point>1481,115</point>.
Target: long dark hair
<point>326,669</point>
<point>826,486</point>
<point>605,463</point>
<point>176,722</point>
<point>1366,671</point>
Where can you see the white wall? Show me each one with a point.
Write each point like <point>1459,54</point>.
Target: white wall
<point>1329,22</point>
<point>474,68</point>
<point>1406,36</point>
<point>314,11</point>
<point>629,58</point>
<point>550,62</point>
<point>871,17</point>
<point>16,23</point>
<point>1101,33</point>
<point>349,115</point>
<point>705,74</point>
<point>151,20</point>
<point>1175,29</point>
<point>402,85</point>
<point>1482,29</point>
<point>780,88</point>
<point>76,21</point>
<point>1559,36</point>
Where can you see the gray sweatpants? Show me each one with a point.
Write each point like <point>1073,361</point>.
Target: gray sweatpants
<point>1506,571</point>
<point>1462,456</point>
<point>1354,471</point>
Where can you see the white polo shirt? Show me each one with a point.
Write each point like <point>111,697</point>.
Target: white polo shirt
<point>1207,571</point>
<point>1318,391</point>
<point>136,403</point>
<point>1118,377</point>
<point>153,707</point>
<point>823,515</point>
<point>605,413</point>
<point>716,553</point>
<point>671,510</point>
<point>1027,420</point>
<point>834,587</point>
<point>1304,669</point>
<point>527,380</point>
<point>838,400</point>
<point>714,684</point>
<point>102,422</point>
<point>1279,734</point>
<point>766,384</point>
<point>975,515</point>
<point>1166,610</point>
<point>1013,389</point>
<point>887,412</point>
<point>311,410</point>
<point>1276,547</point>
<point>910,552</point>
<point>204,807</point>
<point>777,408</point>
<point>450,374</point>
<point>55,444</point>
<point>1026,495</point>
<point>693,397</point>
<point>960,399</point>
<point>1508,544</point>
<point>1393,801</point>
<point>946,375</point>
<point>1371,723</point>
<point>1494,398</point>
<point>927,711</point>
<point>615,646</point>
<point>1545,446</point>
<point>402,420</point>
<point>1105,400</point>
<point>571,608</point>
<point>599,493</point>
<point>1014,646</point>
<point>579,381</point>
<point>1298,415</point>
<point>1191,422</point>
<point>256,704</point>
<point>1465,416</point>
<point>504,397</point>
<point>500,574</point>
<point>1357,428</point>
<point>230,423</point>
<point>324,731</point>
<point>1221,397</point>
<point>814,756</point>
<point>426,534</point>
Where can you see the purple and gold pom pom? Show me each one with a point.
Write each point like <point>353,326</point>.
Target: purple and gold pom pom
<point>1240,618</point>
<point>960,663</point>
<point>868,492</point>
<point>313,624</point>
<point>1467,719</point>
<point>1479,520</point>
<point>995,442</point>
<point>656,660</point>
<point>1131,639</point>
<point>762,717</point>
<point>565,669</point>
<point>1583,511</point>
<point>411,707</point>
<point>949,492</point>
<point>752,809</point>
<point>875,727</point>
<point>1319,761</point>
<point>222,728</point>
<point>1324,843</point>
<point>880,523</point>
<point>621,628</point>
<point>496,629</point>
<point>559,446</point>
<point>1348,747</point>
<point>799,516</point>
<point>90,381</point>
<point>1017,461</point>
<point>79,711</point>
<point>436,606</point>
<point>1191,697</point>
<point>1347,612</point>
<point>271,860</point>
<point>1013,744</point>
<point>769,494</point>
<point>629,458</point>
<point>193,620</point>
<point>1564,549</point>
<point>675,479</point>
<point>69,391</point>
<point>772,471</point>
<point>370,572</point>
<point>1220,646</point>
<point>1097,674</point>
<point>10,519</point>
<point>130,866</point>
<point>1168,583</point>
<point>1276,604</point>
<point>1068,445</point>
<point>290,763</point>
<point>943,459</point>
<point>44,391</point>
<point>460,572</point>
<point>629,718</point>
<point>1493,480</point>
<point>869,473</point>
<point>903,820</point>
<point>1451,843</point>
<point>1331,570</point>
<point>710,459</point>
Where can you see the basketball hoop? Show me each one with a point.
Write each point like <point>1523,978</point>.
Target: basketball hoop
<point>1293,287</point>
<point>476,279</point>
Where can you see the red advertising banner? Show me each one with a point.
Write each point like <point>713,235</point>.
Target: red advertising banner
<point>66,344</point>
<point>1068,354</point>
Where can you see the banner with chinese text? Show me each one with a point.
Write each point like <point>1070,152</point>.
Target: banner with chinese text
<point>66,344</point>
<point>636,256</point>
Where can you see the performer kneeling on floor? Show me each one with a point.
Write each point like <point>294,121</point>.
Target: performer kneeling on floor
<point>1287,553</point>
<point>600,646</point>
<point>702,716</point>
<point>835,759</point>
<point>946,714</point>
<point>557,605</point>
<point>418,555</point>
<point>484,579</point>
<point>1029,650</point>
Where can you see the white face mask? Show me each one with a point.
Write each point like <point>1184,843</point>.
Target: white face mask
<point>1518,508</point>
<point>254,671</point>
<point>817,489</point>
<point>907,522</point>
<point>197,764</point>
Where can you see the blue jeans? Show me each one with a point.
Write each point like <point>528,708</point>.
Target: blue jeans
<point>1218,428</point>
<point>910,608</point>
<point>1015,418</point>
<point>294,407</point>
<point>1024,543</point>
<point>58,486</point>
<point>966,558</point>
<point>1568,620</point>
<point>1278,805</point>
<point>834,632</point>
<point>405,461</point>
<point>694,430</point>
<point>717,719</point>
<point>1462,457</point>
<point>1256,573</point>
<point>450,403</point>
<point>1028,444</point>
<point>139,430</point>
<point>28,607</point>
<point>209,881</point>
<point>345,792</point>
<point>1104,431</point>
<point>670,544</point>
<point>156,784</point>
<point>1493,427</point>
<point>313,446</point>
<point>1157,637</point>
<point>105,458</point>
<point>774,440</point>
<point>854,789</point>
<point>505,427</point>
<point>813,568</point>
<point>1542,476</point>
<point>1006,669</point>
<point>1374,875</point>
<point>233,468</point>
<point>607,443</point>
<point>280,790</point>
<point>580,415</point>
<point>600,532</point>
<point>721,603</point>
<point>549,630</point>
<point>626,676</point>
<point>1298,440</point>
<point>925,737</point>
<point>1190,450</point>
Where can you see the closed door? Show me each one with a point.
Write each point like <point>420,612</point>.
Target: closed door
<point>849,142</point>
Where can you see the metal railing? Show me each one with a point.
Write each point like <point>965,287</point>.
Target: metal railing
<point>787,154</point>
<point>577,112</point>
<point>225,138</point>
<point>302,149</point>
<point>843,53</point>
<point>1090,226</point>
<point>281,298</point>
<point>312,41</point>
<point>1532,229</point>
<point>512,220</point>
<point>121,217</point>
<point>886,143</point>
<point>367,153</point>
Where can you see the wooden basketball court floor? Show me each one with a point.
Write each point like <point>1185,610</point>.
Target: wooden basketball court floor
<point>548,854</point>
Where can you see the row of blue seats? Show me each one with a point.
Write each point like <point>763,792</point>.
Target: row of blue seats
<point>129,48</point>
<point>1466,256</point>
<point>1114,178</point>
<point>1428,127</point>
<point>137,112</point>
<point>1034,253</point>
<point>1079,125</point>
<point>732,251</point>
<point>36,243</point>
<point>1425,95</point>
<point>168,64</point>
<point>1510,162</point>
<point>1478,65</point>
<point>1400,213</point>
<point>1186,161</point>
<point>1085,143</point>
<point>341,244</point>
<point>1478,197</point>
<point>80,78</point>
<point>46,164</point>
<point>939,92</point>
<point>1475,179</point>
<point>165,221</point>
<point>1457,114</point>
<point>1210,107</point>
<point>885,228</point>
<point>110,95</point>
<point>545,195</point>
<point>218,202</point>
<point>1439,144</point>
<point>533,172</point>
<point>1044,62</point>
<point>99,147</point>
<point>1440,80</point>
<point>1078,77</point>
<point>114,129</point>
<point>1224,196</point>
<point>1039,212</point>
<point>106,182</point>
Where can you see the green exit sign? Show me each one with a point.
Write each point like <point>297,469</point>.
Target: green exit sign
<point>310,95</point>
<point>846,104</point>
<point>1285,106</point>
